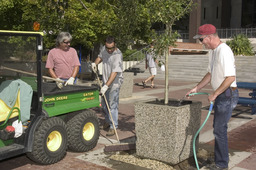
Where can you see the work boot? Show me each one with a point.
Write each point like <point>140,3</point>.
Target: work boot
<point>105,126</point>
<point>110,132</point>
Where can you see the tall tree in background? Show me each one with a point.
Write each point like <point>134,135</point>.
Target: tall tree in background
<point>11,15</point>
<point>49,14</point>
<point>133,22</point>
<point>20,15</point>
<point>90,21</point>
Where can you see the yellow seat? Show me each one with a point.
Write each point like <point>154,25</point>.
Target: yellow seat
<point>5,110</point>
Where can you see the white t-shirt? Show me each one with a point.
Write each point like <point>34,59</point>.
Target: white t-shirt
<point>221,65</point>
<point>112,63</point>
<point>150,59</point>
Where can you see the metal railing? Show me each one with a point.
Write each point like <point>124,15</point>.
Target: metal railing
<point>134,59</point>
<point>223,33</point>
<point>138,55</point>
<point>230,32</point>
<point>183,34</point>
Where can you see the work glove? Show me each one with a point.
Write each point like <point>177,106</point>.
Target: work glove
<point>103,90</point>
<point>70,81</point>
<point>59,84</point>
<point>94,67</point>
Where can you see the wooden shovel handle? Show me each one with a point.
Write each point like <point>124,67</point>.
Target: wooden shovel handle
<point>32,74</point>
<point>98,79</point>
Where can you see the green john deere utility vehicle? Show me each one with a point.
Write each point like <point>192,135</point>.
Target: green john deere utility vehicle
<point>36,117</point>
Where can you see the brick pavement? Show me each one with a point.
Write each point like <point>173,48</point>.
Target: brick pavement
<point>242,139</point>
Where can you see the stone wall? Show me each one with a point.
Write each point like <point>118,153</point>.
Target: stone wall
<point>127,86</point>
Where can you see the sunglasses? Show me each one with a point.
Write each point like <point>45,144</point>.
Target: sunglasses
<point>110,48</point>
<point>202,39</point>
<point>67,42</point>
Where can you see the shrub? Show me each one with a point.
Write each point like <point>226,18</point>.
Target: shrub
<point>241,45</point>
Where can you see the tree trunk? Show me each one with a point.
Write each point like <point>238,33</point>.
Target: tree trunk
<point>166,98</point>
<point>169,33</point>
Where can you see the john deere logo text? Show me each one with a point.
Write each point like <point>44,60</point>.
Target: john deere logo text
<point>56,99</point>
<point>88,94</point>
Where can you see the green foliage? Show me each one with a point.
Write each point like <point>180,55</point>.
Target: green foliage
<point>164,41</point>
<point>133,22</point>
<point>89,22</point>
<point>133,55</point>
<point>241,45</point>
<point>127,53</point>
<point>160,63</point>
<point>167,12</point>
<point>11,14</point>
<point>22,48</point>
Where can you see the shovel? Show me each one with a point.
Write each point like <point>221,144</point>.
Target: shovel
<point>119,146</point>
<point>32,74</point>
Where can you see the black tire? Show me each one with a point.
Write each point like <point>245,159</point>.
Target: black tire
<point>83,131</point>
<point>50,142</point>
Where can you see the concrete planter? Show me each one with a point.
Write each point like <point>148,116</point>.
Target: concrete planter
<point>127,86</point>
<point>165,132</point>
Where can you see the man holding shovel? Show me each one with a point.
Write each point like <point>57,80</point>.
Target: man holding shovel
<point>62,61</point>
<point>112,68</point>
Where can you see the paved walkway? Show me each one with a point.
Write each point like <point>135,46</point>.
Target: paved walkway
<point>242,136</point>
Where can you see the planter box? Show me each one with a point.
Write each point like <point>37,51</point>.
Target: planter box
<point>127,86</point>
<point>166,132</point>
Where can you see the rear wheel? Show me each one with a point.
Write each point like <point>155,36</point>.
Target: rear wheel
<point>83,131</point>
<point>50,142</point>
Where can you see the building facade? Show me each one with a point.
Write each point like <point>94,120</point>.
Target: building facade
<point>224,14</point>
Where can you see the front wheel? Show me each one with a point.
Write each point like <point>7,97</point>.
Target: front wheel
<point>83,131</point>
<point>50,142</point>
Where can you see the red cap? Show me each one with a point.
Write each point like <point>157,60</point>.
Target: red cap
<point>206,29</point>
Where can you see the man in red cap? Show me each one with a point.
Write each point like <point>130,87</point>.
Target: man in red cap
<point>222,76</point>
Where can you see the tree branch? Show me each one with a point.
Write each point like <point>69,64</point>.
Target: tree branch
<point>81,2</point>
<point>184,11</point>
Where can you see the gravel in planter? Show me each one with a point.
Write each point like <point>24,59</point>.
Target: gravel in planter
<point>204,158</point>
<point>146,163</point>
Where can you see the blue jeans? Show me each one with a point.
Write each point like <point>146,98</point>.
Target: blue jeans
<point>112,96</point>
<point>223,107</point>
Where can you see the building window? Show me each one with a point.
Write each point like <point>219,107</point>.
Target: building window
<point>217,13</point>
<point>204,13</point>
<point>248,13</point>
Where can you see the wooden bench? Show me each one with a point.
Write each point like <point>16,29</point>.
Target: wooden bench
<point>248,101</point>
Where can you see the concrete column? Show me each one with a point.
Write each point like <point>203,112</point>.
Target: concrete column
<point>194,20</point>
<point>236,13</point>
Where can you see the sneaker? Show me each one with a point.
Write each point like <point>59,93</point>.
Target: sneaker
<point>144,84</point>
<point>105,126</point>
<point>110,132</point>
<point>215,167</point>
